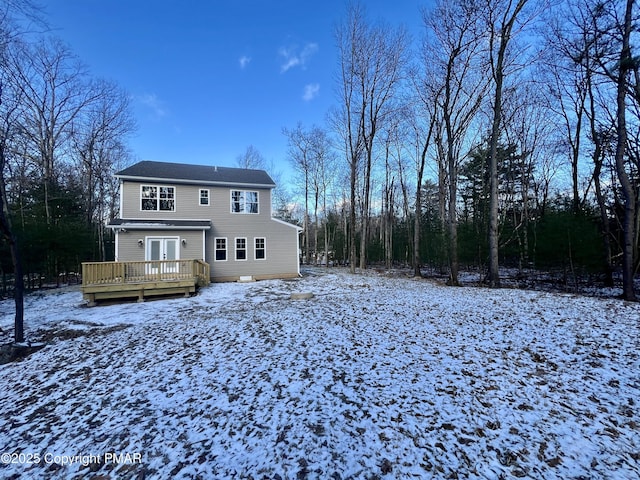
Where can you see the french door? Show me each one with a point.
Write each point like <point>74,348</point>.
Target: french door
<point>162,248</point>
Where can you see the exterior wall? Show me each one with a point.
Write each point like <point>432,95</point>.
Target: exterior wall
<point>281,238</point>
<point>281,249</point>
<point>187,202</point>
<point>130,251</point>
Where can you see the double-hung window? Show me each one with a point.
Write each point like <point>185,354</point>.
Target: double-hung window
<point>221,249</point>
<point>204,197</point>
<point>158,198</point>
<point>243,201</point>
<point>241,248</point>
<point>260,248</point>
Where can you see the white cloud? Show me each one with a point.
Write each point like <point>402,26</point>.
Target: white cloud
<point>294,57</point>
<point>244,61</point>
<point>311,91</point>
<point>153,103</point>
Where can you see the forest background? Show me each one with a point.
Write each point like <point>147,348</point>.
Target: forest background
<point>506,136</point>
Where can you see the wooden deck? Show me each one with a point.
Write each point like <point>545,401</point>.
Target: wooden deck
<point>112,280</point>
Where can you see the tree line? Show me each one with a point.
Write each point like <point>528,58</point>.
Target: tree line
<point>63,135</point>
<point>510,137</point>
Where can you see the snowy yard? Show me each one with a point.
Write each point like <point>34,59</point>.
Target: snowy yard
<point>374,377</point>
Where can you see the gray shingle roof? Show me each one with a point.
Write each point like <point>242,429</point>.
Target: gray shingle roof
<point>204,174</point>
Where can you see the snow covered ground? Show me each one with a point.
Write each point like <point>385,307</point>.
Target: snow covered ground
<point>374,377</point>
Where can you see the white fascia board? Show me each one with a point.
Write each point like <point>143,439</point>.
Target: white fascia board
<point>156,226</point>
<point>300,229</point>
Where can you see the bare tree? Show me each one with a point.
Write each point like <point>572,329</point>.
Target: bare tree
<point>55,90</point>
<point>8,107</point>
<point>394,138</point>
<point>423,119</point>
<point>371,61</point>
<point>599,46</point>
<point>10,101</point>
<point>300,153</point>
<point>323,180</point>
<point>576,46</point>
<point>501,17</point>
<point>97,136</point>
<point>347,121</point>
<point>626,65</point>
<point>311,157</point>
<point>454,51</point>
<point>527,128</point>
<point>251,159</point>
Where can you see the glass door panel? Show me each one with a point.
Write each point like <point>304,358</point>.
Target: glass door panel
<point>159,250</point>
<point>170,253</point>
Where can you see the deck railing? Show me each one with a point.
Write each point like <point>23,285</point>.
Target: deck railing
<point>109,273</point>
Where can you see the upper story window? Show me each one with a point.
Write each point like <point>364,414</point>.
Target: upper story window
<point>244,201</point>
<point>204,196</point>
<point>156,198</point>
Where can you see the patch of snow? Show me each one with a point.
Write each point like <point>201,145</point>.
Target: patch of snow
<point>372,377</point>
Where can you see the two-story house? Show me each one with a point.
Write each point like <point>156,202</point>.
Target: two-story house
<point>171,211</point>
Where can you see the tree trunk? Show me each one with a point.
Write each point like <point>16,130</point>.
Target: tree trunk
<point>306,217</point>
<point>504,34</point>
<point>493,278</point>
<point>453,223</point>
<point>352,217</point>
<point>18,290</point>
<point>365,210</point>
<point>418,216</point>
<point>326,227</point>
<point>628,223</point>
<point>606,228</point>
<point>315,221</point>
<point>10,238</point>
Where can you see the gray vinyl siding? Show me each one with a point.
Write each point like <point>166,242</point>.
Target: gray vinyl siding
<point>130,251</point>
<point>281,239</point>
<point>187,202</point>
<point>281,250</point>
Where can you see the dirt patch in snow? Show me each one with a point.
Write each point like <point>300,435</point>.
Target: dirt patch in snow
<point>10,352</point>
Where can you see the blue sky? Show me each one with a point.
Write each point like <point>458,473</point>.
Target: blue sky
<point>210,78</point>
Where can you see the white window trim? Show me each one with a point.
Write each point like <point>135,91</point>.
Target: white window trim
<point>255,249</point>
<point>246,249</point>
<point>215,249</point>
<point>148,238</point>
<point>200,190</point>
<point>244,212</point>
<point>175,198</point>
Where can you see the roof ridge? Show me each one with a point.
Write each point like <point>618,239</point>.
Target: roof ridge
<point>210,174</point>
<point>199,165</point>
